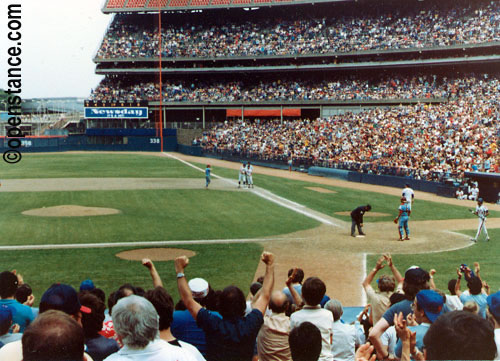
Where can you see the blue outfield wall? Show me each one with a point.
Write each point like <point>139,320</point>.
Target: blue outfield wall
<point>384,180</point>
<point>81,142</point>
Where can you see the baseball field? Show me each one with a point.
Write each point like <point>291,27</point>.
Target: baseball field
<point>65,217</point>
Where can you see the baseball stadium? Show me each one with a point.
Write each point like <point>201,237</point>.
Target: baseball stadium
<point>324,106</point>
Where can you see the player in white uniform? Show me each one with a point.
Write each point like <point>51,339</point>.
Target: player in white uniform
<point>482,212</point>
<point>409,195</point>
<point>249,175</point>
<point>242,176</point>
<point>474,192</point>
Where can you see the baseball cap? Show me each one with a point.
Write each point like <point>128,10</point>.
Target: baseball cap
<point>87,285</point>
<point>493,301</point>
<point>5,315</point>
<point>416,275</point>
<point>198,287</point>
<point>431,302</point>
<point>8,283</point>
<point>480,200</point>
<point>63,298</point>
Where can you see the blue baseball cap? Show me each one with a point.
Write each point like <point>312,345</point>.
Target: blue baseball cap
<point>87,285</point>
<point>493,301</point>
<point>431,302</point>
<point>63,298</point>
<point>5,315</point>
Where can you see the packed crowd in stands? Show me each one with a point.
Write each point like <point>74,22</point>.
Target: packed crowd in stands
<point>394,87</point>
<point>429,28</point>
<point>422,141</point>
<point>405,318</point>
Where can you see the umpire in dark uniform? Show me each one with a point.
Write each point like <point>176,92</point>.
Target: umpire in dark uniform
<point>357,219</point>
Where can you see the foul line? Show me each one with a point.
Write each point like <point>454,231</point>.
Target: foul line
<point>296,207</point>
<point>135,244</point>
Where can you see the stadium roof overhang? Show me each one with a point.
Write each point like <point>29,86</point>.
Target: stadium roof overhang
<point>152,6</point>
<point>312,67</point>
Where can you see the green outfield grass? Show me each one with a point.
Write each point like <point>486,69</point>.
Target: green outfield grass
<point>446,263</point>
<point>221,265</point>
<point>88,165</point>
<point>146,215</point>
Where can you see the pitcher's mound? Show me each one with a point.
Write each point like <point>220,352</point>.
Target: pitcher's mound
<point>70,211</point>
<point>155,254</point>
<point>367,214</point>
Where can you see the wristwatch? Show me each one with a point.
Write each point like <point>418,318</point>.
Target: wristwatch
<point>180,275</point>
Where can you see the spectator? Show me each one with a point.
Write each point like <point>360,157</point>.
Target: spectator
<point>389,337</point>
<point>467,337</point>
<point>53,336</point>
<point>416,279</point>
<point>452,300</point>
<point>24,295</point>
<point>475,287</point>
<point>164,305</point>
<point>296,283</point>
<point>97,346</point>
<point>494,316</point>
<point>5,326</point>
<point>313,292</point>
<point>59,297</point>
<point>87,285</point>
<point>272,339</point>
<point>233,336</point>
<point>379,301</point>
<point>21,314</point>
<point>305,342</point>
<point>184,326</point>
<point>254,288</point>
<point>427,307</point>
<point>136,323</point>
<point>345,339</point>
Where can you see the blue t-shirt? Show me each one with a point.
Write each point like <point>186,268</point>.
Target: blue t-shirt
<point>185,328</point>
<point>480,299</point>
<point>286,291</point>
<point>100,347</point>
<point>421,330</point>
<point>207,172</point>
<point>403,306</point>
<point>230,339</point>
<point>21,314</point>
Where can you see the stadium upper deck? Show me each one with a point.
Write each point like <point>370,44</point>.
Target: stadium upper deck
<point>115,6</point>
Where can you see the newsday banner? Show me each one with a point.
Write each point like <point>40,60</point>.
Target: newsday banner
<point>117,112</point>
<point>122,110</point>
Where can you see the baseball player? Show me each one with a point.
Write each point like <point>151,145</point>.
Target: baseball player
<point>474,192</point>
<point>403,217</point>
<point>242,176</point>
<point>482,212</point>
<point>207,176</point>
<point>408,194</point>
<point>249,175</point>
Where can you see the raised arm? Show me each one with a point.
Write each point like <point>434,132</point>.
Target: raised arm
<point>369,277</point>
<point>295,295</point>
<point>375,333</point>
<point>394,270</point>
<point>267,287</point>
<point>184,291</point>
<point>457,285</point>
<point>146,262</point>
<point>432,285</point>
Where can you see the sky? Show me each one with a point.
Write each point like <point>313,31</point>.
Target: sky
<point>59,40</point>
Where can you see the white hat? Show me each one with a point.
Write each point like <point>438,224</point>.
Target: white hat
<point>198,287</point>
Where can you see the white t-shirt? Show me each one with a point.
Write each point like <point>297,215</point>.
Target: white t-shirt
<point>157,350</point>
<point>389,338</point>
<point>497,341</point>
<point>323,320</point>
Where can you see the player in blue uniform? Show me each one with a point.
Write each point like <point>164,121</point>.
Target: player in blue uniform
<point>207,176</point>
<point>403,217</point>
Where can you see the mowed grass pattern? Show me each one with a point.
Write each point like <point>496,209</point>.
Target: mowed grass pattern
<point>99,165</point>
<point>146,215</point>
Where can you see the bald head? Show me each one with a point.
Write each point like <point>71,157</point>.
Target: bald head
<point>278,302</point>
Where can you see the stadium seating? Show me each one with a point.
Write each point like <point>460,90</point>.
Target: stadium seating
<point>157,3</point>
<point>115,4</point>
<point>200,3</point>
<point>221,2</point>
<point>176,3</point>
<point>136,3</point>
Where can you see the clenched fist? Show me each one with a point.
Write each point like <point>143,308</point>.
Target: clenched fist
<point>181,263</point>
<point>267,258</point>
